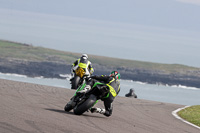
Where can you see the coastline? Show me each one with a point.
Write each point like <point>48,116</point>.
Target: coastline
<point>49,63</point>
<point>67,77</point>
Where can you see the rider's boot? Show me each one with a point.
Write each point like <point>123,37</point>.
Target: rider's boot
<point>98,110</point>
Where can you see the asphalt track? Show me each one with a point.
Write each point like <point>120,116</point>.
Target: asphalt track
<point>32,108</point>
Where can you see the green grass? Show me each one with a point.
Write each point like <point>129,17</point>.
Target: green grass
<point>22,51</point>
<point>191,114</point>
<point>29,52</point>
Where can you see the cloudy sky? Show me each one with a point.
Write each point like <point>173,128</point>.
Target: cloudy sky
<point>163,31</point>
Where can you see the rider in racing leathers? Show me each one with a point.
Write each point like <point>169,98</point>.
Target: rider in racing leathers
<point>84,63</point>
<point>113,87</point>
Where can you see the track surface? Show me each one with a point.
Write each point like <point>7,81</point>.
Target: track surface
<point>32,108</point>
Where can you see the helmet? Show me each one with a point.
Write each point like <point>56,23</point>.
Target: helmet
<point>84,56</point>
<point>115,74</point>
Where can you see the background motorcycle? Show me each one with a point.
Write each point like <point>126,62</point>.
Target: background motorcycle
<point>78,78</point>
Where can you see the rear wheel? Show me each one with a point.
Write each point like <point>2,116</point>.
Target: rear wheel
<point>80,109</point>
<point>75,82</point>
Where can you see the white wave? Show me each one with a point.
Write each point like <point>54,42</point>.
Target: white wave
<point>142,83</point>
<point>126,80</point>
<point>13,74</point>
<point>64,75</point>
<point>41,77</point>
<point>185,87</point>
<point>67,76</point>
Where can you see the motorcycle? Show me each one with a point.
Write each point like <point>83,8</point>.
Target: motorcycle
<point>83,101</point>
<point>79,77</point>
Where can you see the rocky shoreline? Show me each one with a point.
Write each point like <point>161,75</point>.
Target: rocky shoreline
<point>54,69</point>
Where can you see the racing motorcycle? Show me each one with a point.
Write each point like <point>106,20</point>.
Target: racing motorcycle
<point>79,77</point>
<point>86,96</point>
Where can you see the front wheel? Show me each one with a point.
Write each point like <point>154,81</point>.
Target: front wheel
<point>80,109</point>
<point>68,107</point>
<point>75,82</point>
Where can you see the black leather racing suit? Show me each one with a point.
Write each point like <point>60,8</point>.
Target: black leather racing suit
<point>114,88</point>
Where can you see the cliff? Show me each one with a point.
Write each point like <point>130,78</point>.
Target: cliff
<point>54,69</point>
<point>34,61</point>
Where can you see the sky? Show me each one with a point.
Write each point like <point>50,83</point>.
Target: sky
<point>161,31</point>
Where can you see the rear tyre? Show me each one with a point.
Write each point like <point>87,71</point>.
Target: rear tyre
<point>80,109</point>
<point>75,82</point>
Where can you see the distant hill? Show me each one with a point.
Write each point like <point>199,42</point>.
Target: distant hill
<point>34,61</point>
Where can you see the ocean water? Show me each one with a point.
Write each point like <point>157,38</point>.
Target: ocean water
<point>169,94</point>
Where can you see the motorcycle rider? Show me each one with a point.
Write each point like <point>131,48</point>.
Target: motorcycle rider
<point>131,93</point>
<point>84,63</point>
<point>113,86</point>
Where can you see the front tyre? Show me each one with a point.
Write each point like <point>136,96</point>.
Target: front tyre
<point>75,82</point>
<point>80,109</point>
<point>68,107</point>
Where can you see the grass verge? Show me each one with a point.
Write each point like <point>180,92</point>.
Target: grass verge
<point>191,114</point>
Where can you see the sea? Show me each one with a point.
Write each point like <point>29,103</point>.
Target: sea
<point>176,94</point>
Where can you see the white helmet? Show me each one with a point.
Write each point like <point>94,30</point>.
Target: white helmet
<point>85,56</point>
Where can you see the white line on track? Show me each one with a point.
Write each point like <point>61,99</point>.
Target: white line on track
<point>174,113</point>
